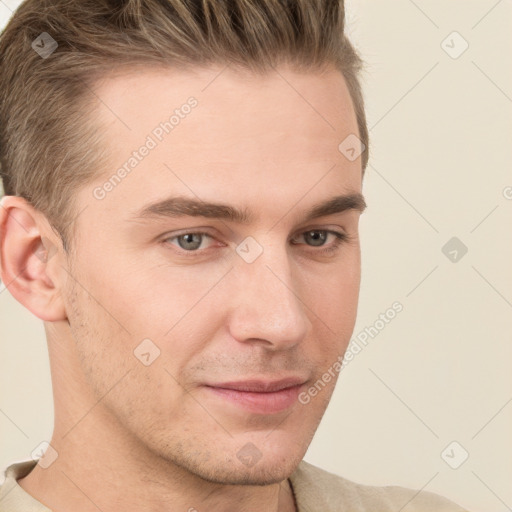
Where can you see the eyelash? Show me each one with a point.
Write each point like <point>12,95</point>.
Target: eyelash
<point>339,240</point>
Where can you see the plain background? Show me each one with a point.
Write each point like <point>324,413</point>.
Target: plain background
<point>439,372</point>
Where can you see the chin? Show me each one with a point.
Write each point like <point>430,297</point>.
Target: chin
<point>248,467</point>
<point>264,472</point>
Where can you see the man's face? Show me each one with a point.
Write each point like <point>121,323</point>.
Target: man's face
<point>263,300</point>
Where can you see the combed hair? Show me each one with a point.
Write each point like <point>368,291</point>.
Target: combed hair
<point>49,145</point>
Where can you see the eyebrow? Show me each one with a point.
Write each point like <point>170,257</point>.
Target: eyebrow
<point>180,206</point>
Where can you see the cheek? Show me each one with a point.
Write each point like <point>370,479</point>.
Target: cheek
<point>333,295</point>
<point>334,306</point>
<point>117,305</point>
<point>156,299</point>
<point>139,395</point>
<point>101,336</point>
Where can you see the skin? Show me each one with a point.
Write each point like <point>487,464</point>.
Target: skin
<point>130,436</point>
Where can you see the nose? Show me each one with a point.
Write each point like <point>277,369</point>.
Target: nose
<point>267,307</point>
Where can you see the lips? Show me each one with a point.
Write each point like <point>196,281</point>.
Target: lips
<point>257,395</point>
<point>261,386</point>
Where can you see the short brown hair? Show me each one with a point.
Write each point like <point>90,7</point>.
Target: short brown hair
<point>49,146</point>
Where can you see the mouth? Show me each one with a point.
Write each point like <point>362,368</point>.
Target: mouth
<point>259,396</point>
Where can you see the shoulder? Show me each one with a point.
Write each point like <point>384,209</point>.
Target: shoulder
<point>314,487</point>
<point>13,498</point>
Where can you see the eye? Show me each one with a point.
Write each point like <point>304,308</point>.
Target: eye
<point>318,237</point>
<point>189,242</point>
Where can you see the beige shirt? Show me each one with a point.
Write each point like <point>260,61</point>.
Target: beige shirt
<point>315,490</point>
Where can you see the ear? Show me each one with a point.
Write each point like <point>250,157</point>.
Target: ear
<point>30,254</point>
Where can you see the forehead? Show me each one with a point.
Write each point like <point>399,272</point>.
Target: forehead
<point>219,131</point>
<point>228,100</point>
<point>324,89</point>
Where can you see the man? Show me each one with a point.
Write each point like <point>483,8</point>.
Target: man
<point>183,187</point>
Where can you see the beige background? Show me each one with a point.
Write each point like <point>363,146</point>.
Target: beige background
<point>440,167</point>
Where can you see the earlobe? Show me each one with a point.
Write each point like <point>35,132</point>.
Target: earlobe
<point>26,256</point>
